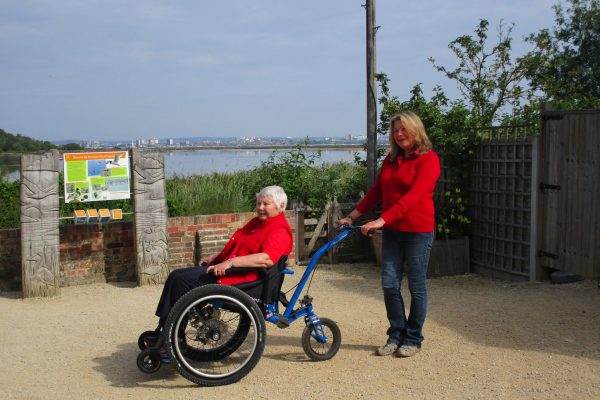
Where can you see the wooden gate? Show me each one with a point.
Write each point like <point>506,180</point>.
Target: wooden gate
<point>568,200</point>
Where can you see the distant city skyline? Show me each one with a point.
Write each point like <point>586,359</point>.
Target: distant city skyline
<point>125,70</point>
<point>218,141</point>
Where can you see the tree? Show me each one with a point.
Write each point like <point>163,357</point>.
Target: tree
<point>17,143</point>
<point>564,64</point>
<point>488,79</point>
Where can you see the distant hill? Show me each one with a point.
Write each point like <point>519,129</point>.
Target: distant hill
<point>20,144</point>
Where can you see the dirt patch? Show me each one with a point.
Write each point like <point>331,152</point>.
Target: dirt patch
<point>484,339</point>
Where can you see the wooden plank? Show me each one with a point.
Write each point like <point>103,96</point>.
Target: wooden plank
<point>150,222</point>
<point>320,234</point>
<point>318,229</point>
<point>300,234</point>
<point>39,224</point>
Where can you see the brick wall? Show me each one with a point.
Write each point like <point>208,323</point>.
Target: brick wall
<point>105,252</point>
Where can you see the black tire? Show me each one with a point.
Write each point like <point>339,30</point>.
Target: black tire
<point>226,348</point>
<point>223,333</point>
<point>149,361</point>
<point>147,339</point>
<point>318,350</point>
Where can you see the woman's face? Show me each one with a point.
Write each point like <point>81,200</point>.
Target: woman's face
<point>403,139</point>
<point>266,208</point>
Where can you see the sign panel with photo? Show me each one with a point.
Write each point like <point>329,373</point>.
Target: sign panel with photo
<point>96,176</point>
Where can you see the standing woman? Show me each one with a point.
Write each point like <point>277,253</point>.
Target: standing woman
<point>404,189</point>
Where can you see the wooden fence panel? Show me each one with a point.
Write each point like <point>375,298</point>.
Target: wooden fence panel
<point>501,204</point>
<point>569,200</point>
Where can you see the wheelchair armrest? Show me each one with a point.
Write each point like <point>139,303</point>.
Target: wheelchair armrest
<point>265,275</point>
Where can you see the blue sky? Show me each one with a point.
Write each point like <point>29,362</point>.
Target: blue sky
<point>122,70</point>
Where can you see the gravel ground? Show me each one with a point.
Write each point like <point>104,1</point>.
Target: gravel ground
<point>484,339</point>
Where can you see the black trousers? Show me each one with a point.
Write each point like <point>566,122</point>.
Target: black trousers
<point>178,283</point>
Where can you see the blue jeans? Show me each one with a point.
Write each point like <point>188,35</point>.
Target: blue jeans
<point>405,252</point>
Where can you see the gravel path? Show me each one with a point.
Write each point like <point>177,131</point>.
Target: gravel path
<point>485,339</point>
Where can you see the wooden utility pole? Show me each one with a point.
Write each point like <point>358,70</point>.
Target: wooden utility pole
<point>371,96</point>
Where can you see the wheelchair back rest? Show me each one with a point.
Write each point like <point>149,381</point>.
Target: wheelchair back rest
<point>268,285</point>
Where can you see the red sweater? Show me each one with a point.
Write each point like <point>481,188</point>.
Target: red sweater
<point>405,191</point>
<point>273,236</point>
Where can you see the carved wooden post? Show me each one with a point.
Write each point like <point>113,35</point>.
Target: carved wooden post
<point>150,217</point>
<point>39,224</point>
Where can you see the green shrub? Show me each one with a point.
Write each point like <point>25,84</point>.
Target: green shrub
<point>9,199</point>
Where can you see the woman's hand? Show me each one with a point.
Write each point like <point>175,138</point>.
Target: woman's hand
<point>220,268</point>
<point>349,219</point>
<point>345,221</point>
<point>207,260</point>
<point>375,224</point>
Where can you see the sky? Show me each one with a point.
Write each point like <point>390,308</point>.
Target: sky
<point>138,69</point>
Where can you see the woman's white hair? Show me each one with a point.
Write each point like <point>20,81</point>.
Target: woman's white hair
<point>276,193</point>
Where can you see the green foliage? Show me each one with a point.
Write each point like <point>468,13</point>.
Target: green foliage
<point>209,194</point>
<point>9,200</point>
<point>451,215</point>
<point>21,144</point>
<point>564,63</point>
<point>71,147</point>
<point>306,182</point>
<point>487,77</point>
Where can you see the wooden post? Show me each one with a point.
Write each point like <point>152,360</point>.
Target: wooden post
<point>371,96</point>
<point>39,224</point>
<point>534,274</point>
<point>150,217</point>
<point>300,232</point>
<point>333,215</point>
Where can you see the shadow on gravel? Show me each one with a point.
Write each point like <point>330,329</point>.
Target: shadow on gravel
<point>530,316</point>
<point>120,369</point>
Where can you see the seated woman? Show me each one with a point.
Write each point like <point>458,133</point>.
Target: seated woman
<point>258,244</point>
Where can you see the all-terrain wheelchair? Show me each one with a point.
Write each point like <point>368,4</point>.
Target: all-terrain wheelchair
<point>215,334</point>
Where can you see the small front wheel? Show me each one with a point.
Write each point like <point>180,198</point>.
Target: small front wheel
<point>147,339</point>
<point>322,343</point>
<point>149,361</point>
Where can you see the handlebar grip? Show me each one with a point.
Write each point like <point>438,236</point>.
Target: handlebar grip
<point>371,232</point>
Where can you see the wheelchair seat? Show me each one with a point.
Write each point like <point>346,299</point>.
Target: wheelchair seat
<point>266,289</point>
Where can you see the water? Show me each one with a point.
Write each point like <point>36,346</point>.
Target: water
<point>200,162</point>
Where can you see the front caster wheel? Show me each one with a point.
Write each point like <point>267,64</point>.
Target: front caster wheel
<point>147,339</point>
<point>149,361</point>
<point>322,343</point>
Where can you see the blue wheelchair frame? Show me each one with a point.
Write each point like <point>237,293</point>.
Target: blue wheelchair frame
<point>306,309</point>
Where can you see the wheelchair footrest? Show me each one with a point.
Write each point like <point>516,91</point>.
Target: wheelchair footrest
<point>282,322</point>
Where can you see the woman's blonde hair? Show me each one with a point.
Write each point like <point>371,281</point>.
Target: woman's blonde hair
<point>415,128</point>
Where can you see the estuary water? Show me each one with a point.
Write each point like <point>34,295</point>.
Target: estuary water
<point>201,162</point>
<point>198,162</point>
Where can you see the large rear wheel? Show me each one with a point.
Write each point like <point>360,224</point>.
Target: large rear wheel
<point>215,335</point>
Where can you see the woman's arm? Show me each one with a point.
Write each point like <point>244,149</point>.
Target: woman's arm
<point>257,260</point>
<point>207,259</point>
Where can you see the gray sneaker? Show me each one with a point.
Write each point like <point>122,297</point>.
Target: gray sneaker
<point>386,349</point>
<point>407,351</point>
